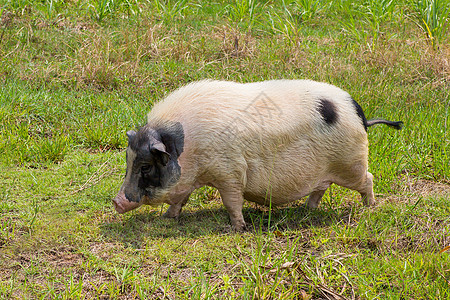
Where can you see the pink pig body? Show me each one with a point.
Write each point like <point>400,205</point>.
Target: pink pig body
<point>267,142</point>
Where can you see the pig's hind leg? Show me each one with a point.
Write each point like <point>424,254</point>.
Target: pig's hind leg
<point>366,191</point>
<point>365,188</point>
<point>362,182</point>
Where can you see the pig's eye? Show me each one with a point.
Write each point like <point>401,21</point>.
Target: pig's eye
<point>145,169</point>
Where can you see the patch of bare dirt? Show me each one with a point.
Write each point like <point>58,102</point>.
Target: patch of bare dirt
<point>63,257</point>
<point>422,187</point>
<point>411,189</point>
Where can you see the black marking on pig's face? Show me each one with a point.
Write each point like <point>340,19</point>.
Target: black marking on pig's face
<point>360,113</point>
<point>152,161</point>
<point>328,111</point>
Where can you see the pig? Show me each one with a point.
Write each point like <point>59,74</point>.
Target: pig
<point>270,142</point>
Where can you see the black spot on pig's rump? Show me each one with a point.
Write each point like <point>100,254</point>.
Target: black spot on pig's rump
<point>360,113</point>
<point>328,111</point>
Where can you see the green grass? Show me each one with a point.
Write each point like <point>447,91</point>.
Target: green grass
<point>433,18</point>
<point>76,75</point>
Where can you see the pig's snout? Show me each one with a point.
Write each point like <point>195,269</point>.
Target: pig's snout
<point>122,205</point>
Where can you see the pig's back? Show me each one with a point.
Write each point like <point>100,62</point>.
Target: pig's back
<point>268,107</point>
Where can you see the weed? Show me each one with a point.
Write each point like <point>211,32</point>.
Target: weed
<point>50,7</point>
<point>125,277</point>
<point>49,149</point>
<point>434,19</point>
<point>365,24</point>
<point>101,9</point>
<point>201,287</point>
<point>311,8</point>
<point>73,288</point>
<point>168,10</point>
<point>7,230</point>
<point>244,12</point>
<point>17,5</point>
<point>288,23</point>
<point>381,10</point>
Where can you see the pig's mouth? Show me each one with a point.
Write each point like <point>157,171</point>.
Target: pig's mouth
<point>122,204</point>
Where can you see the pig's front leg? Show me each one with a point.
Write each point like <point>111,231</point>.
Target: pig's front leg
<point>174,209</point>
<point>314,199</point>
<point>233,200</point>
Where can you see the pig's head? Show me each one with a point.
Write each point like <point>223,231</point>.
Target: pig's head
<point>152,166</point>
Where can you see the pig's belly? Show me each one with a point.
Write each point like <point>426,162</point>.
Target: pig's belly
<point>283,195</point>
<point>276,200</point>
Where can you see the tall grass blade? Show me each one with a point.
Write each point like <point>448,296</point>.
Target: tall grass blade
<point>434,19</point>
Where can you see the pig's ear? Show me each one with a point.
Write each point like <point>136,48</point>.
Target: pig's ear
<point>131,135</point>
<point>173,138</point>
<point>159,151</point>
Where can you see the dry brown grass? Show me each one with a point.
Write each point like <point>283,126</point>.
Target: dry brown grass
<point>86,54</point>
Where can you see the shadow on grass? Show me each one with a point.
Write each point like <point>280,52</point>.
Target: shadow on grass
<point>295,218</point>
<point>193,223</point>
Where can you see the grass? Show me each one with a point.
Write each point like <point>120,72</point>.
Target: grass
<point>76,75</point>
<point>433,16</point>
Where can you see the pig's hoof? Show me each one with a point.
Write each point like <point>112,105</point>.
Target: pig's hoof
<point>170,215</point>
<point>240,227</point>
<point>173,211</point>
<point>312,205</point>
